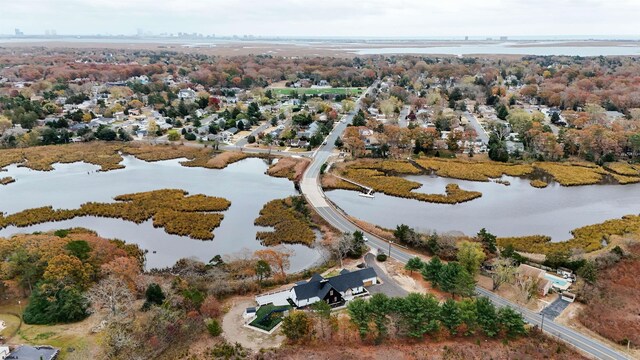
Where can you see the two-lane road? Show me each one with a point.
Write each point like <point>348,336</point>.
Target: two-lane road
<point>314,194</point>
<point>480,132</point>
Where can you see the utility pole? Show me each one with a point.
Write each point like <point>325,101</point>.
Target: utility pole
<point>542,325</point>
<point>390,242</point>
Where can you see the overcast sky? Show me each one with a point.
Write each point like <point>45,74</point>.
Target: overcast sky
<point>376,18</point>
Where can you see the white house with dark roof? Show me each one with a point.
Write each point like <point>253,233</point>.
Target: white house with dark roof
<point>335,291</point>
<point>186,94</point>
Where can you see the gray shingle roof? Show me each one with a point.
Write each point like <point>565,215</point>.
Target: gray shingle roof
<point>318,286</point>
<point>27,352</point>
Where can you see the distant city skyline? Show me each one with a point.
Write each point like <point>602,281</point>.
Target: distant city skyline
<point>330,18</point>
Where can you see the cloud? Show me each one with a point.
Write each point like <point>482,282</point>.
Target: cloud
<point>324,18</point>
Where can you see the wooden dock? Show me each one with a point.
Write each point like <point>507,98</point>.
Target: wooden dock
<point>368,190</point>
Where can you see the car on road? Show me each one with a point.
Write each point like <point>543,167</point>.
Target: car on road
<point>324,142</point>
<point>366,239</point>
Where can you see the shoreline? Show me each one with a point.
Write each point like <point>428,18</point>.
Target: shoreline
<point>341,49</point>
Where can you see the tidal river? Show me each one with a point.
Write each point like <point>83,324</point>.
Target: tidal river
<point>515,210</point>
<point>70,185</point>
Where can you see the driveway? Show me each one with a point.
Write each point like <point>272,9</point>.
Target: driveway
<point>389,286</point>
<point>555,308</point>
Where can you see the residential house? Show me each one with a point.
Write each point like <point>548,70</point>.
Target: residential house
<point>186,94</point>
<point>311,130</point>
<point>371,142</point>
<point>46,121</point>
<point>614,116</point>
<point>41,352</point>
<point>200,112</point>
<point>4,351</point>
<point>223,136</point>
<point>514,146</point>
<point>14,131</point>
<point>216,137</point>
<point>276,133</point>
<point>246,124</point>
<point>220,122</point>
<point>335,291</point>
<point>535,274</point>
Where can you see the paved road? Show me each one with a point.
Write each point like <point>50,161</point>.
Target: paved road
<point>264,126</point>
<point>389,286</point>
<point>402,119</point>
<point>482,135</point>
<point>312,190</point>
<point>235,148</point>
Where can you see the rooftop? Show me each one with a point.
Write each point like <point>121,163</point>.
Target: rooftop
<point>319,286</point>
<point>26,352</point>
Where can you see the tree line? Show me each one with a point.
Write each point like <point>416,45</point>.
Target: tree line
<point>416,316</point>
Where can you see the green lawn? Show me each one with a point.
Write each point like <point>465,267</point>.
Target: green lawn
<point>309,91</point>
<point>265,321</point>
<point>75,336</point>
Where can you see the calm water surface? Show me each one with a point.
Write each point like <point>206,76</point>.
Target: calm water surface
<point>70,185</point>
<point>506,49</point>
<point>515,210</point>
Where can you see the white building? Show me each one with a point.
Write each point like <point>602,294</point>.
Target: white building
<point>336,290</point>
<point>186,94</point>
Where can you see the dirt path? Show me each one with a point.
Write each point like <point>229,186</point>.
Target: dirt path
<point>234,331</point>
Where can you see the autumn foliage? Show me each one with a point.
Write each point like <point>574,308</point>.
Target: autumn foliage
<point>57,268</point>
<point>588,238</point>
<point>291,224</point>
<point>382,176</point>
<point>195,216</point>
<point>613,308</point>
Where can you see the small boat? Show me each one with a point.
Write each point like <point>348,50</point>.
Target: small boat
<point>367,195</point>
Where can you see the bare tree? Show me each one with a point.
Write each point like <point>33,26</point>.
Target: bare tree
<point>119,341</point>
<point>527,287</point>
<point>112,294</point>
<point>343,246</point>
<point>504,272</point>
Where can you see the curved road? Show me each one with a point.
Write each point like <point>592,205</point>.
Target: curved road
<point>311,189</point>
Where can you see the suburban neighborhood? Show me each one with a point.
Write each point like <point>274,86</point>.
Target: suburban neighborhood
<point>369,183</point>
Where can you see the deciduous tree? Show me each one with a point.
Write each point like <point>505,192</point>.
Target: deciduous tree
<point>471,256</point>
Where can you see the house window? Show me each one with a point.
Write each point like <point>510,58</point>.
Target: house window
<point>331,292</point>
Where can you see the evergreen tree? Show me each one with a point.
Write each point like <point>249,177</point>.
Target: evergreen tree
<point>153,296</point>
<point>48,307</point>
<point>358,310</point>
<point>379,308</point>
<point>487,317</point>
<point>451,316</point>
<point>488,240</point>
<point>431,270</point>
<point>414,264</point>
<point>512,322</point>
